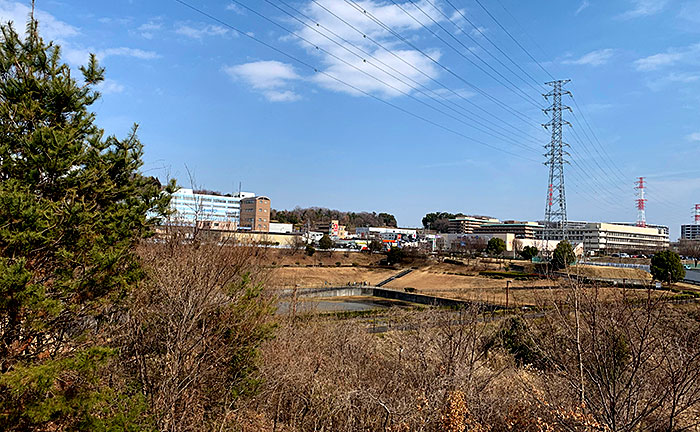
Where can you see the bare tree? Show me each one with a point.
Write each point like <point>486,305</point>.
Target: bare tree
<point>191,332</point>
<point>627,363</point>
<point>691,248</point>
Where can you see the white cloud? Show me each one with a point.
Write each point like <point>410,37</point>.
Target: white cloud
<point>281,96</point>
<point>235,8</point>
<point>641,8</point>
<point>126,52</point>
<point>584,5</point>
<point>668,58</point>
<point>695,136</point>
<point>49,27</point>
<point>657,60</point>
<point>200,31</point>
<point>52,29</point>
<point>412,66</point>
<point>147,30</point>
<point>80,56</point>
<point>478,31</point>
<point>110,86</point>
<point>271,78</point>
<point>593,58</point>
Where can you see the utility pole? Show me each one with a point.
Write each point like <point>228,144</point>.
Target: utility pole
<point>641,203</point>
<point>555,209</point>
<point>507,293</point>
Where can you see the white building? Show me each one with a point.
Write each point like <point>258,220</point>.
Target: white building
<point>378,232</point>
<point>281,228</point>
<point>609,237</point>
<point>189,206</point>
<point>621,238</point>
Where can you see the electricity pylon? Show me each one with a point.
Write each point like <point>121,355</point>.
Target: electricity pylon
<point>555,210</point>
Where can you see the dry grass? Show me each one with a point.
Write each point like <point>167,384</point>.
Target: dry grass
<point>285,257</point>
<point>610,272</point>
<point>436,280</point>
<point>461,282</point>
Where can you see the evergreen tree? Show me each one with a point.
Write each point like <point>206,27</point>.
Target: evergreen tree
<point>529,252</point>
<point>72,206</point>
<point>326,242</point>
<point>667,266</point>
<point>495,246</point>
<point>563,255</point>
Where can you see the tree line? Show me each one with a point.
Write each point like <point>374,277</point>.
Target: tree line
<point>313,215</point>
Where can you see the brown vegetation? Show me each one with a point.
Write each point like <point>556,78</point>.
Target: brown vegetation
<point>308,277</point>
<point>190,334</point>
<point>584,365</point>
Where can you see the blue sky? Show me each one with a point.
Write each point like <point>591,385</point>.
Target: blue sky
<point>226,108</point>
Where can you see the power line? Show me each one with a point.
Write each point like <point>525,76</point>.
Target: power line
<point>585,119</point>
<point>317,47</point>
<point>578,139</point>
<point>514,39</point>
<point>485,36</point>
<point>515,89</point>
<point>496,101</point>
<point>429,77</point>
<point>338,80</point>
<point>414,82</point>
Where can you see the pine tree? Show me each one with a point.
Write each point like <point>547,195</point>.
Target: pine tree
<point>73,204</point>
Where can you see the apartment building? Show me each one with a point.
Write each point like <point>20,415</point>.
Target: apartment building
<point>690,232</point>
<point>255,214</point>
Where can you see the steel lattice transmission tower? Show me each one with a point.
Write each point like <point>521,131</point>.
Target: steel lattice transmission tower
<point>697,214</point>
<point>641,203</point>
<point>555,210</point>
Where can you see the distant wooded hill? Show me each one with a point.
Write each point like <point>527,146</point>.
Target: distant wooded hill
<point>313,215</point>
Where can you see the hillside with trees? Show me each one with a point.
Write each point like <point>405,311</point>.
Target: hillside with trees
<point>313,215</point>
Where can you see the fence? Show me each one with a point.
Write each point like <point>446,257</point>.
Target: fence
<point>644,267</point>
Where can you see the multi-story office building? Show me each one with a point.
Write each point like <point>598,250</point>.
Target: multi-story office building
<point>378,232</point>
<point>663,228</point>
<point>521,230</point>
<point>690,232</point>
<point>190,207</point>
<point>608,237</point>
<point>624,238</point>
<point>467,224</point>
<point>255,213</point>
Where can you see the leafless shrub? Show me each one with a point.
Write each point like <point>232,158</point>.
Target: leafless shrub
<point>627,363</point>
<point>326,374</point>
<point>191,333</point>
